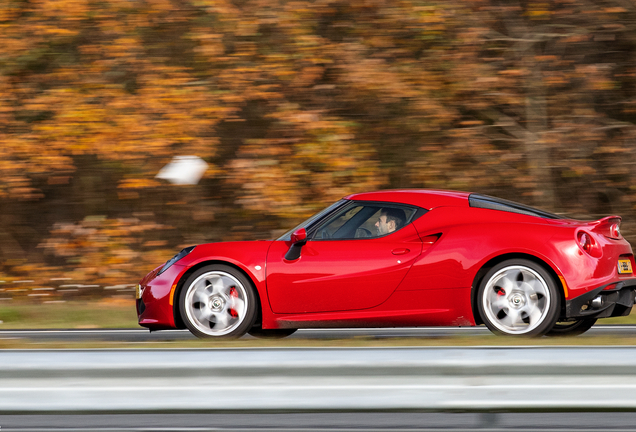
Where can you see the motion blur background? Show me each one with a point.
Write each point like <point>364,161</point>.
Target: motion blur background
<point>293,105</point>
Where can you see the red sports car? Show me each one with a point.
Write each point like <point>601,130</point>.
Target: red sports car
<point>401,258</point>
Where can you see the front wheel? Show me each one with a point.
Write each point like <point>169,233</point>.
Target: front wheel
<point>518,297</point>
<point>218,301</point>
<point>573,328</point>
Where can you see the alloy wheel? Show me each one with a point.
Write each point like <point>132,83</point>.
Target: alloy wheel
<point>516,300</point>
<point>216,303</point>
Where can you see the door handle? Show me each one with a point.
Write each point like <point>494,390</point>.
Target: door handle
<point>400,251</point>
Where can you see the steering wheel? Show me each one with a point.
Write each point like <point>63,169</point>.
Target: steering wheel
<point>363,233</point>
<point>324,234</point>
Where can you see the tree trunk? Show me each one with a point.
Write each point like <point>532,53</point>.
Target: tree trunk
<point>539,163</point>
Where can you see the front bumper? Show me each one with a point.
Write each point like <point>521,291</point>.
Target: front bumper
<point>616,299</point>
<point>155,308</point>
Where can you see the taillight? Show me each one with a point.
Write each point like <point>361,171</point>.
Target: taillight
<point>585,241</point>
<point>615,230</point>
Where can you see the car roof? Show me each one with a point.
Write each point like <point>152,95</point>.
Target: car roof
<point>425,198</point>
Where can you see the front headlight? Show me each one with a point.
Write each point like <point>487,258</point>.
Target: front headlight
<point>175,258</point>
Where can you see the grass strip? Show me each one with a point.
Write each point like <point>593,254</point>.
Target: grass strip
<point>103,313</point>
<point>355,342</point>
<point>120,313</point>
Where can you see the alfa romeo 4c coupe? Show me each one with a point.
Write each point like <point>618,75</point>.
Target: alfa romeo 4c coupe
<point>403,258</point>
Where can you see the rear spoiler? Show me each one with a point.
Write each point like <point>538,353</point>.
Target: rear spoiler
<point>608,226</point>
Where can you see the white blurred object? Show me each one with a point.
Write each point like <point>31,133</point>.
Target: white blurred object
<point>183,170</point>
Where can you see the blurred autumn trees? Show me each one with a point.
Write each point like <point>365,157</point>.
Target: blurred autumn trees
<point>295,104</point>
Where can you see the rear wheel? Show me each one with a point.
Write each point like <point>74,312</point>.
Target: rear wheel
<point>218,301</point>
<point>573,328</point>
<point>518,297</point>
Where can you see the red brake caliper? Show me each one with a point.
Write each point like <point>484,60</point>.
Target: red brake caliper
<point>233,295</point>
<point>501,292</point>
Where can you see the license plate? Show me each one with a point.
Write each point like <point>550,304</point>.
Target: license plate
<point>138,289</point>
<point>624,266</point>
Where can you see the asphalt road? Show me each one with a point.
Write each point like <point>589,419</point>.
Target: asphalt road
<point>141,335</point>
<point>331,422</point>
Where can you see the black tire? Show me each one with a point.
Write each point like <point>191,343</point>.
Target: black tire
<point>518,297</point>
<point>573,328</point>
<point>218,301</point>
<point>261,333</point>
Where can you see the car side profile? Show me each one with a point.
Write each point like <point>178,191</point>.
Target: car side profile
<point>401,258</point>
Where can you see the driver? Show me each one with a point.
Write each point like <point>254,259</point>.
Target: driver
<point>391,219</point>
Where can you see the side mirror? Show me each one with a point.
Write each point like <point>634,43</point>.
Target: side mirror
<point>298,239</point>
<point>298,236</point>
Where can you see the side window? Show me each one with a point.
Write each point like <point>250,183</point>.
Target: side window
<point>328,230</point>
<point>365,221</point>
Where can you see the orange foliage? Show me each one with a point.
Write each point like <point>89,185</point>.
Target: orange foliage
<point>296,104</point>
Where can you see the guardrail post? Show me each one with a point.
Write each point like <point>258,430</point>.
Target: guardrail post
<point>488,420</point>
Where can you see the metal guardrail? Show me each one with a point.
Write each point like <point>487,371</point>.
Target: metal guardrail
<point>256,380</point>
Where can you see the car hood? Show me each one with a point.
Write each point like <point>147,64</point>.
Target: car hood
<point>240,253</point>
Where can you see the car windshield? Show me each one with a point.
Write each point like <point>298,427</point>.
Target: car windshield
<point>306,224</point>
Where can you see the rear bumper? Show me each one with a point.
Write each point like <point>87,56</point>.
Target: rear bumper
<point>617,299</point>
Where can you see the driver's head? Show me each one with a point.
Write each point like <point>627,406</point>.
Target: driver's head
<point>390,219</point>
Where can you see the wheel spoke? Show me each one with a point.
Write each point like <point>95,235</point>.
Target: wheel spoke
<point>506,283</point>
<point>493,297</point>
<point>202,286</point>
<point>222,320</point>
<point>200,296</point>
<point>512,319</point>
<point>238,305</point>
<point>212,284</point>
<point>499,304</point>
<point>535,316</point>
<point>537,287</point>
<point>203,314</point>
